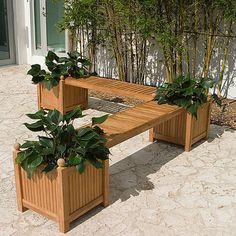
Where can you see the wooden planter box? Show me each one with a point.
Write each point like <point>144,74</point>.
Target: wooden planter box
<point>184,129</point>
<point>63,97</point>
<point>62,195</point>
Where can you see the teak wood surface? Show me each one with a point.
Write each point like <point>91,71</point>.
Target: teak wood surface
<point>66,195</point>
<point>133,121</point>
<point>112,86</point>
<point>63,194</point>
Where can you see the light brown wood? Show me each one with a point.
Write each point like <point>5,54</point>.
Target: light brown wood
<point>142,118</point>
<point>64,194</point>
<point>62,97</point>
<point>184,129</point>
<point>189,132</point>
<point>116,87</point>
<point>63,199</point>
<point>17,171</point>
<point>105,187</point>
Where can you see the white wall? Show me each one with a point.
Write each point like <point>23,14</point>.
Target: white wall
<point>105,63</point>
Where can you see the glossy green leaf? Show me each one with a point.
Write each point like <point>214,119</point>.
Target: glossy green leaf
<point>99,120</point>
<point>49,167</point>
<point>74,160</point>
<point>35,127</point>
<point>81,167</point>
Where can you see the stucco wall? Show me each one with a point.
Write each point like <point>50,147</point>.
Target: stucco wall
<point>106,65</point>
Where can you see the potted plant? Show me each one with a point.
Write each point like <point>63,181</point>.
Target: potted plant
<point>52,92</point>
<point>64,173</point>
<point>193,124</point>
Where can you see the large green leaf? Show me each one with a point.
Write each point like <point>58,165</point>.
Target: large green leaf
<point>99,120</point>
<point>35,69</point>
<point>51,56</point>
<point>49,167</point>
<point>76,113</point>
<point>61,148</point>
<point>46,142</point>
<point>34,161</point>
<point>83,131</point>
<point>35,127</point>
<point>81,167</point>
<point>37,115</point>
<point>20,157</point>
<point>95,163</point>
<point>28,144</point>
<point>74,160</point>
<point>55,116</point>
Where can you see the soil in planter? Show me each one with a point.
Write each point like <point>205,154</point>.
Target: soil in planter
<point>225,115</point>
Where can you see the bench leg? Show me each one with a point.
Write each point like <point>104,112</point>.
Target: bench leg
<point>64,226</point>
<point>188,132</point>
<point>105,183</point>
<point>151,135</point>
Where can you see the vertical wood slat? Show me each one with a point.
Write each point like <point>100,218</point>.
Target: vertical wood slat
<point>172,130</point>
<point>105,187</point>
<point>62,195</point>
<point>63,199</point>
<point>62,97</point>
<point>18,179</point>
<point>82,187</point>
<point>41,190</point>
<point>184,129</point>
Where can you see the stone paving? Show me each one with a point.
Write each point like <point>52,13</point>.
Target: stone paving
<point>155,188</point>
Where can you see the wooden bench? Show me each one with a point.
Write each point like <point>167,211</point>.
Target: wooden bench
<point>133,121</point>
<point>180,129</point>
<point>119,88</point>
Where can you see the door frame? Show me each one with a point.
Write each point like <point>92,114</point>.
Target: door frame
<point>10,35</point>
<point>43,30</point>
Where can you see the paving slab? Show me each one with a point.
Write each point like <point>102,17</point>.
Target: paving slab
<point>155,188</point>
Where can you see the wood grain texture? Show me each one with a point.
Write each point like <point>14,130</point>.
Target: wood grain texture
<point>185,129</point>
<point>133,121</point>
<point>112,86</point>
<point>62,195</point>
<point>62,97</point>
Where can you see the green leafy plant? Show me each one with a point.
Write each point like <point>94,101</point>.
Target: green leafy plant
<point>186,92</point>
<point>73,65</point>
<point>62,140</point>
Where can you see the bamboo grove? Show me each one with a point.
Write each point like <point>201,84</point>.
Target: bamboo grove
<point>188,33</point>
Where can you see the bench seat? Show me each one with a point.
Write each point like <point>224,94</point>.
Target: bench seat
<point>133,121</point>
<point>119,88</point>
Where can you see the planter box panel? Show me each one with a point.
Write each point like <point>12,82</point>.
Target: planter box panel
<point>184,129</point>
<point>75,96</point>
<point>48,99</point>
<point>40,192</point>
<point>62,97</point>
<point>200,125</point>
<point>64,194</point>
<point>172,130</point>
<point>84,188</point>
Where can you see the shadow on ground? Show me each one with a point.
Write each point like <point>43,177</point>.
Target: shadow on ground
<point>130,176</point>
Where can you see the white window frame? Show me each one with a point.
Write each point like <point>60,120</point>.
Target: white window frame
<point>43,30</point>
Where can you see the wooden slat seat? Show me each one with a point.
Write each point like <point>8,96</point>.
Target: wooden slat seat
<point>131,122</point>
<point>112,86</point>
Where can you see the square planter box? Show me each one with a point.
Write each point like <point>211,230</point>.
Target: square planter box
<point>62,97</point>
<point>62,195</point>
<point>184,129</point>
